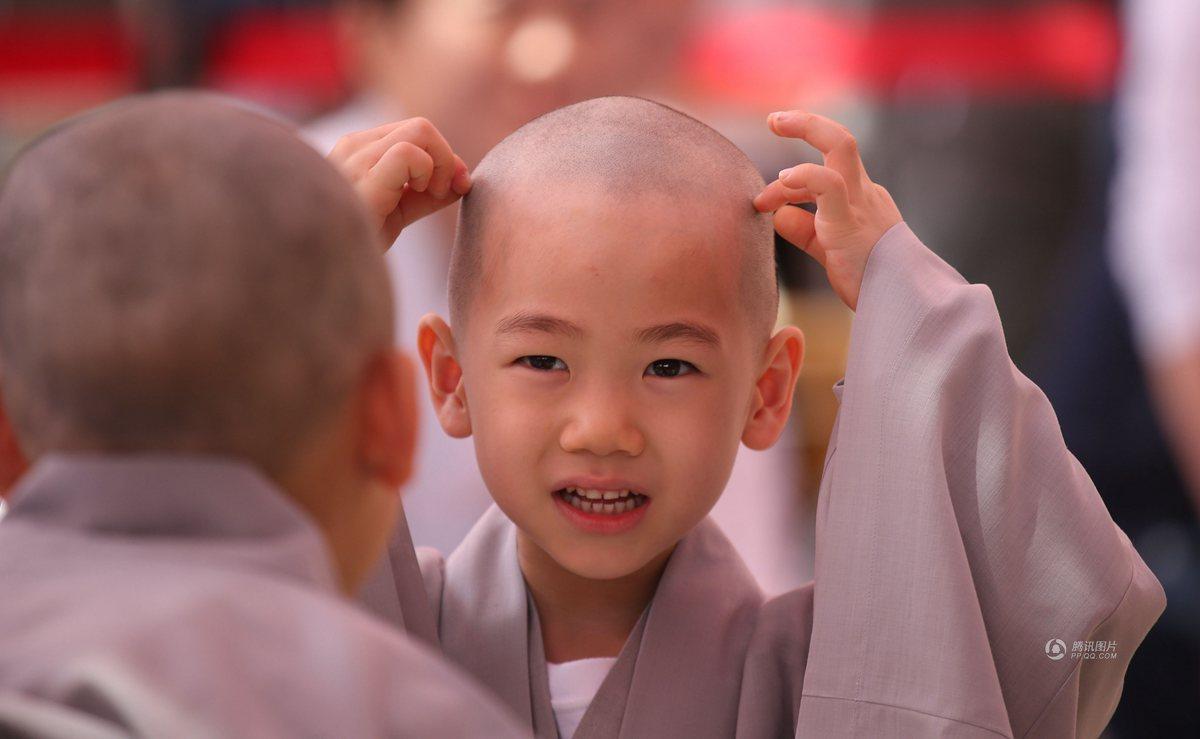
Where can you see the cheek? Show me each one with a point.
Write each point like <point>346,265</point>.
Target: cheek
<point>698,440</point>
<point>511,430</point>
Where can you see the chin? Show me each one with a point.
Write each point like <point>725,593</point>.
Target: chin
<point>594,563</point>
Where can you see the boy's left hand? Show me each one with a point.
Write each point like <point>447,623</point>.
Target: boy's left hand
<point>852,212</point>
<point>403,171</point>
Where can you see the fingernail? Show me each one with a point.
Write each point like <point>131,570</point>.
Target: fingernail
<point>784,116</point>
<point>784,172</point>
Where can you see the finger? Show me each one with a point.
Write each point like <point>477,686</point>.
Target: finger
<point>403,164</point>
<point>445,162</point>
<point>352,143</point>
<point>420,132</point>
<point>776,195</point>
<point>832,139</point>
<point>461,182</point>
<point>833,202</point>
<point>417,205</point>
<point>824,134</point>
<point>367,155</point>
<point>798,226</point>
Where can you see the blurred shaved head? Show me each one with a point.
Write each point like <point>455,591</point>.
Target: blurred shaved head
<point>622,147</point>
<point>180,274</point>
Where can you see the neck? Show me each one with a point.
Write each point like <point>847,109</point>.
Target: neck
<point>582,617</point>
<point>353,512</point>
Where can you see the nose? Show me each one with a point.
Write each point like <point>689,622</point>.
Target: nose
<point>602,423</point>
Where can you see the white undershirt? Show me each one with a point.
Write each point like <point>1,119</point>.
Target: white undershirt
<point>573,685</point>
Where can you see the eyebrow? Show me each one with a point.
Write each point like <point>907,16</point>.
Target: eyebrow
<point>537,323</point>
<point>679,331</point>
<point>547,324</point>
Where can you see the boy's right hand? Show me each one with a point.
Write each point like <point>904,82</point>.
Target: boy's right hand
<point>403,172</point>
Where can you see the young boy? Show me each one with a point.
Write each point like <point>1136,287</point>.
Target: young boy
<point>199,363</point>
<point>610,344</point>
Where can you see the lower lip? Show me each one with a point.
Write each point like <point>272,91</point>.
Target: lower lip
<point>601,523</point>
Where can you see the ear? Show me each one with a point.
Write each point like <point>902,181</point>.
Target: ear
<point>773,391</point>
<point>388,412</point>
<point>12,461</point>
<point>435,342</point>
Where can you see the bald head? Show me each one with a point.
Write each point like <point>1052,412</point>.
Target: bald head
<point>626,148</point>
<point>180,274</point>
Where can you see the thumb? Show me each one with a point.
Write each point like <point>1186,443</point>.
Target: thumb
<point>416,205</point>
<point>798,226</point>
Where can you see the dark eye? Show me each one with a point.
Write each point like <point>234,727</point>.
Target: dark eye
<point>670,368</point>
<point>543,363</point>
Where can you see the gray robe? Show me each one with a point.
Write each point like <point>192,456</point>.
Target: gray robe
<point>186,597</point>
<point>962,556</point>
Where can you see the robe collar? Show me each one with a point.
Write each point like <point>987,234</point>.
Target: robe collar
<point>680,669</point>
<point>204,508</point>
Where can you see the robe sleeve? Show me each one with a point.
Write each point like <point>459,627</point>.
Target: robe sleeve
<point>773,674</point>
<point>969,579</point>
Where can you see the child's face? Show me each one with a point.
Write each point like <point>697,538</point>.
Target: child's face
<point>607,354</point>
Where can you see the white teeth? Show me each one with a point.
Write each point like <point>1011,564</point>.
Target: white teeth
<point>603,501</point>
<point>599,494</point>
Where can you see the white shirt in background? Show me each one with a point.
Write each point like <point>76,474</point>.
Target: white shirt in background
<point>1155,199</point>
<point>573,685</point>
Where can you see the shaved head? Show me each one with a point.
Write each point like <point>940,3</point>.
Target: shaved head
<point>623,147</point>
<point>180,274</point>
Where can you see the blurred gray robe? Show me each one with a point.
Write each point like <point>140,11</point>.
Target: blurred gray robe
<point>186,597</point>
<point>957,538</point>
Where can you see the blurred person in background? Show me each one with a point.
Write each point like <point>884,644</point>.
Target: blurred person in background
<point>174,37</point>
<point>1110,353</point>
<point>992,171</point>
<point>478,69</point>
<point>1154,255</point>
<point>1156,213</point>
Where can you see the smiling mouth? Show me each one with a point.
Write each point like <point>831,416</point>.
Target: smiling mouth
<point>602,502</point>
